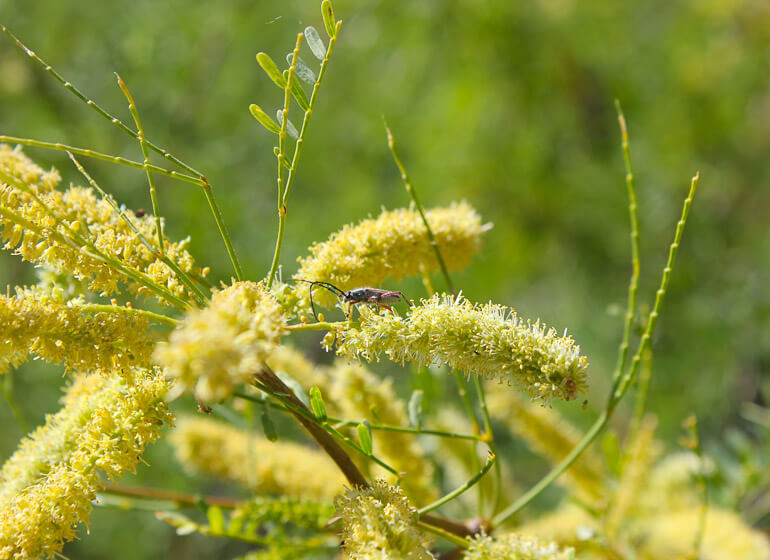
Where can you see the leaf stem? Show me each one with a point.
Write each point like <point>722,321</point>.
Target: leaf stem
<point>413,193</point>
<point>104,157</point>
<point>101,308</point>
<point>491,460</point>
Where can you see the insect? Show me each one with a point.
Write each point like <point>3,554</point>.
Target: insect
<point>358,295</point>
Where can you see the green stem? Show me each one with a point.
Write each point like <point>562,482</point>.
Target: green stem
<point>197,177</point>
<point>491,460</point>
<point>489,439</point>
<point>413,193</point>
<point>170,496</point>
<point>281,158</point>
<point>321,326</point>
<point>283,190</point>
<point>145,152</point>
<point>93,105</point>
<point>633,285</point>
<point>156,317</point>
<point>441,533</point>
<point>466,400</point>
<point>98,155</point>
<point>199,295</point>
<point>623,386</point>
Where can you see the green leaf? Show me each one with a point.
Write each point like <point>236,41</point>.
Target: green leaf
<point>290,128</point>
<point>271,69</point>
<point>267,425</point>
<point>328,14</point>
<point>299,94</point>
<point>302,71</point>
<point>314,42</point>
<point>216,520</point>
<point>415,408</point>
<point>317,403</point>
<point>365,437</point>
<point>611,448</point>
<point>264,119</point>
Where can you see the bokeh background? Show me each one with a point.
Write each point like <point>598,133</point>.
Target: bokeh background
<point>508,105</point>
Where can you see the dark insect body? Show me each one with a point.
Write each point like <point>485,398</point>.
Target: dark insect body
<point>381,298</point>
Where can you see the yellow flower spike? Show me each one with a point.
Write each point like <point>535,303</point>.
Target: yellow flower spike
<point>486,340</point>
<point>515,547</point>
<point>36,321</point>
<point>393,245</point>
<point>378,523</point>
<point>47,486</point>
<point>284,468</point>
<point>222,346</point>
<point>28,228</point>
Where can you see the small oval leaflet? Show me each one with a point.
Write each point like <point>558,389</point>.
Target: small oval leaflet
<point>314,42</point>
<point>216,519</point>
<point>302,71</point>
<point>290,128</point>
<point>271,69</point>
<point>365,437</point>
<point>317,403</point>
<point>267,425</point>
<point>328,14</point>
<point>415,408</point>
<point>264,119</point>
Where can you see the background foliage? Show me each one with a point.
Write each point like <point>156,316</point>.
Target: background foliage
<point>507,105</point>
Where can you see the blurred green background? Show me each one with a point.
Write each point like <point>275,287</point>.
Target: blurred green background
<point>508,105</point>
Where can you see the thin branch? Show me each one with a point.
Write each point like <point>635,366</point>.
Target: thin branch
<point>491,460</point>
<point>413,193</point>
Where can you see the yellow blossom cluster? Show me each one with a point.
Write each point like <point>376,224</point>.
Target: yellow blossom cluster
<point>486,340</point>
<point>39,322</point>
<point>47,486</point>
<point>547,433</point>
<point>222,346</point>
<point>77,232</point>
<point>284,468</point>
<point>515,547</point>
<point>393,245</point>
<point>378,523</point>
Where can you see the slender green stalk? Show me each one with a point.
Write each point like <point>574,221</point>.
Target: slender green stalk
<point>77,93</point>
<point>623,386</point>
<point>220,221</point>
<point>413,193</point>
<point>642,389</point>
<point>104,157</point>
<point>155,317</point>
<point>8,394</point>
<point>491,460</point>
<point>283,190</point>
<point>339,423</point>
<point>468,405</point>
<point>281,157</point>
<point>197,177</point>
<point>145,152</point>
<point>199,295</point>
<point>441,533</point>
<point>633,285</point>
<point>162,494</point>
<point>489,438</point>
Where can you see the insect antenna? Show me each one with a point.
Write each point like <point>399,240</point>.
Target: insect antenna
<point>331,287</point>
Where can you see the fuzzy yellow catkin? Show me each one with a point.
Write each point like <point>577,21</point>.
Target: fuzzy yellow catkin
<point>222,346</point>
<point>486,340</point>
<point>671,536</point>
<point>671,483</point>
<point>568,525</point>
<point>283,468</point>
<point>48,233</point>
<point>546,432</point>
<point>359,394</point>
<point>379,523</point>
<point>515,546</point>
<point>47,486</point>
<point>393,245</point>
<point>38,322</point>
